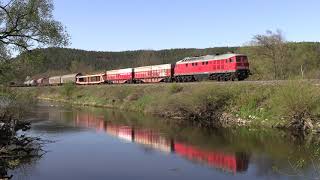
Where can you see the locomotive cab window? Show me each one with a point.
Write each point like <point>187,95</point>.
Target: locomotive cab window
<point>207,62</point>
<point>186,65</point>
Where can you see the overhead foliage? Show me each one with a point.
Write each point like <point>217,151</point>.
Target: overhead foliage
<point>26,24</point>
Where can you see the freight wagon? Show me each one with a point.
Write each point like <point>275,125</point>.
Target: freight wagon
<point>120,76</point>
<point>91,79</point>
<point>69,78</point>
<point>55,80</point>
<point>43,81</point>
<point>30,83</point>
<point>156,73</point>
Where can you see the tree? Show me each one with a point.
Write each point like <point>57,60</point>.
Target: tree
<point>27,24</point>
<point>272,46</point>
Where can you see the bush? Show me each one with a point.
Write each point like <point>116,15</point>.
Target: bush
<point>68,89</point>
<point>175,88</point>
<point>200,106</point>
<point>250,102</point>
<point>296,101</point>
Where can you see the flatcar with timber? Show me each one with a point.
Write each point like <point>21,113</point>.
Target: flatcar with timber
<point>214,67</point>
<point>155,73</point>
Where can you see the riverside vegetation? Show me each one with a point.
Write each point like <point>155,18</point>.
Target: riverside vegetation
<point>16,149</point>
<point>289,105</point>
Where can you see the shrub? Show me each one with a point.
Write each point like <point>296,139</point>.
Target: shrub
<point>68,89</point>
<point>251,101</point>
<point>298,102</point>
<point>175,88</point>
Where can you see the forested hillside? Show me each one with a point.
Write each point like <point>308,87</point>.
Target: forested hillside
<point>296,60</point>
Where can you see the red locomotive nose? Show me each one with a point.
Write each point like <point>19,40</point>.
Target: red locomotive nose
<point>242,62</point>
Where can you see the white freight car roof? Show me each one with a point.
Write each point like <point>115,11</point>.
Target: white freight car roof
<point>70,75</point>
<point>54,77</point>
<point>91,75</point>
<point>155,67</point>
<point>119,71</point>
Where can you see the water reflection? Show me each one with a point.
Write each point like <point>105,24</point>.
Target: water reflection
<point>94,134</point>
<point>226,161</point>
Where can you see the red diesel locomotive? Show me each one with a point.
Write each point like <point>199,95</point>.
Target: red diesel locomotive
<point>219,67</point>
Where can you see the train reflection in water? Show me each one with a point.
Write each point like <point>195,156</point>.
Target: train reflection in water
<point>232,162</point>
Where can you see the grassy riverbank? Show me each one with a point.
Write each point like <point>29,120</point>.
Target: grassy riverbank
<point>292,104</point>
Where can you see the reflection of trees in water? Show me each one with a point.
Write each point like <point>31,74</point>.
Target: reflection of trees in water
<point>302,162</point>
<point>263,166</point>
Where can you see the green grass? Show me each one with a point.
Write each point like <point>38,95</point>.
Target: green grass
<point>204,103</point>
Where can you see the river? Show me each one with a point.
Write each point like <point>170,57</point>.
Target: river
<point>96,143</point>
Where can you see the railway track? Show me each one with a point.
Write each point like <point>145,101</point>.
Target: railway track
<point>264,82</point>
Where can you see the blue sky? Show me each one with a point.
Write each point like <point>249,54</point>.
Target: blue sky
<point>116,25</point>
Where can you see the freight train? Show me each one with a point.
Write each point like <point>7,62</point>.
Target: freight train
<point>224,67</point>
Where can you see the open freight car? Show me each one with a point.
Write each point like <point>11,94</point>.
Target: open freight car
<point>91,79</point>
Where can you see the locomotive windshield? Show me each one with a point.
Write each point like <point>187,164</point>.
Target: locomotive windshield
<point>241,58</point>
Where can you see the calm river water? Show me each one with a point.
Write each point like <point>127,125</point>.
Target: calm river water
<point>94,143</point>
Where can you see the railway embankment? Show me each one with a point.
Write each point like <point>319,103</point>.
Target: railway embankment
<point>289,105</point>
